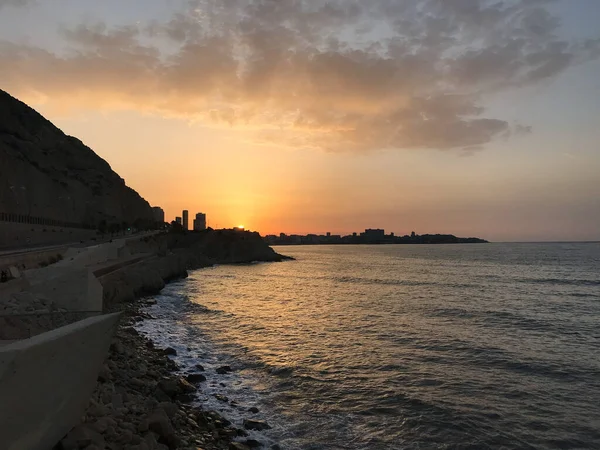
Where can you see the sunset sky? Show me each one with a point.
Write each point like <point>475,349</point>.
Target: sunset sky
<point>477,118</point>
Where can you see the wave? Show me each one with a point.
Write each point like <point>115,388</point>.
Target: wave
<point>391,282</point>
<point>559,281</point>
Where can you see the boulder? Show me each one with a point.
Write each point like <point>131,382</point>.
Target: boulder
<point>195,378</point>
<point>238,446</point>
<point>170,408</point>
<point>169,387</point>
<point>223,370</point>
<point>159,423</point>
<point>253,424</point>
<point>13,272</point>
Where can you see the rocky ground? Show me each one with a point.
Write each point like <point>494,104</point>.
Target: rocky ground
<point>25,314</point>
<point>141,403</point>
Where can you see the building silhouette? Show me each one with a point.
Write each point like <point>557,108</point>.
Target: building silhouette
<point>178,220</point>
<point>200,222</point>
<point>159,214</point>
<point>185,219</point>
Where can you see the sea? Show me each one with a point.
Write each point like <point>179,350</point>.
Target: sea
<point>468,346</point>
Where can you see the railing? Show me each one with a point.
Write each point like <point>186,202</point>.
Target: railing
<point>32,220</point>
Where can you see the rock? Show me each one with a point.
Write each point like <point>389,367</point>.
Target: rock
<point>185,385</point>
<point>252,443</point>
<point>170,351</point>
<point>161,396</point>
<point>80,437</point>
<point>275,447</point>
<point>200,367</point>
<point>105,374</point>
<point>103,423</point>
<point>223,370</point>
<point>125,437</point>
<point>170,408</point>
<point>170,387</point>
<point>195,378</point>
<point>253,410</point>
<point>13,272</point>
<point>117,401</point>
<point>117,347</point>
<point>186,398</point>
<point>221,398</point>
<point>97,410</point>
<point>159,423</point>
<point>137,383</point>
<point>253,424</point>
<point>238,446</point>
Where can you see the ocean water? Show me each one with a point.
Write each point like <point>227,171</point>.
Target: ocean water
<point>399,347</point>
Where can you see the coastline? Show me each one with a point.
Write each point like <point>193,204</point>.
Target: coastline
<point>140,402</point>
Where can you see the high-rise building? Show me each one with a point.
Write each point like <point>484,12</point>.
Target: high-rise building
<point>200,222</point>
<point>185,219</point>
<point>159,214</point>
<point>178,220</point>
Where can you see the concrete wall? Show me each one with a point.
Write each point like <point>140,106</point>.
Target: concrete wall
<point>71,288</point>
<point>46,382</point>
<point>15,235</point>
<point>23,326</point>
<point>96,254</point>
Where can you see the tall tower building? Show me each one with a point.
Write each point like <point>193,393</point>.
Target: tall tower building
<point>185,219</point>
<point>200,222</point>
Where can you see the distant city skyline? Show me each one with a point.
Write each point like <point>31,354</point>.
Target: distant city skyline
<point>475,118</point>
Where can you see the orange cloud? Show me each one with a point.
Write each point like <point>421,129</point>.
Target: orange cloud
<point>340,75</point>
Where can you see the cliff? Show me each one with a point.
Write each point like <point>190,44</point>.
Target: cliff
<point>45,173</point>
<point>174,254</point>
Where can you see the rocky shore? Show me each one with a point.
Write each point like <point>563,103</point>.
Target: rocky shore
<point>175,254</point>
<point>142,401</point>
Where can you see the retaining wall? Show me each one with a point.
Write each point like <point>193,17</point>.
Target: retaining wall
<point>17,235</point>
<point>71,288</point>
<point>46,381</point>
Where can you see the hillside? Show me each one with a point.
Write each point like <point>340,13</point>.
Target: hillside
<point>45,173</point>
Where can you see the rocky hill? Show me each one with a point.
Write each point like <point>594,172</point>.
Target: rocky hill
<point>45,173</point>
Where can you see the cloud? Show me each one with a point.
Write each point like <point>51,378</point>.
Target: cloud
<point>341,75</point>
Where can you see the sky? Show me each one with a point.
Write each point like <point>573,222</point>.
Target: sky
<point>476,118</point>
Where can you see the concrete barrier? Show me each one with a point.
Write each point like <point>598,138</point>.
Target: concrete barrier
<point>75,289</point>
<point>46,382</point>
